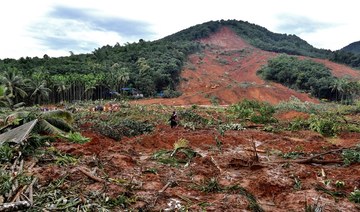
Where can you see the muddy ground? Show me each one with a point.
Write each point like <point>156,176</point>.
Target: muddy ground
<point>221,162</point>
<point>245,170</point>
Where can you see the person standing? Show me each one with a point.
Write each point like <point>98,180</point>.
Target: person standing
<point>173,120</point>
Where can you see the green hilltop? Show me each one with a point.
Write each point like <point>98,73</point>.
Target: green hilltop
<point>353,47</point>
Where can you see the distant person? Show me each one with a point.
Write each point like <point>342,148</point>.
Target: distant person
<point>173,120</point>
<point>99,108</point>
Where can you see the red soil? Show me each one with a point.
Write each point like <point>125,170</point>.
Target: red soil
<point>226,71</point>
<point>271,183</point>
<point>230,162</point>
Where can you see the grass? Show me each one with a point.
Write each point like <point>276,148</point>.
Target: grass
<point>123,200</point>
<point>6,153</point>
<point>5,182</point>
<point>334,194</point>
<point>292,155</point>
<point>253,204</point>
<point>355,196</point>
<point>351,156</point>
<point>210,186</point>
<point>170,157</point>
<point>75,137</point>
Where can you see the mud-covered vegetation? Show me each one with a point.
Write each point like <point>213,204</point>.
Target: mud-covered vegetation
<point>223,155</point>
<point>312,148</point>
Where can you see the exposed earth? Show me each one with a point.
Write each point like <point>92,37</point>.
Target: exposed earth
<point>226,72</point>
<point>270,179</point>
<point>240,170</point>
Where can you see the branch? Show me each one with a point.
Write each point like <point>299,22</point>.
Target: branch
<point>98,179</point>
<point>312,158</point>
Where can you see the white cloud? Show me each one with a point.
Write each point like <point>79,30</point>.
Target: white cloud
<point>21,21</point>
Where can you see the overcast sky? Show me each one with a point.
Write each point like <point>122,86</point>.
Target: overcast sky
<point>56,27</point>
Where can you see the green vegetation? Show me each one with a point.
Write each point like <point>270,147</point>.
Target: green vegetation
<point>149,67</point>
<point>352,47</point>
<point>75,137</point>
<point>355,196</point>
<point>6,153</point>
<point>254,34</point>
<point>210,186</point>
<point>63,191</point>
<point>146,67</point>
<point>351,156</point>
<point>254,111</point>
<point>347,58</point>
<point>311,77</point>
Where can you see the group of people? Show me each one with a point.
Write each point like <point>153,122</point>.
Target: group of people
<point>108,107</point>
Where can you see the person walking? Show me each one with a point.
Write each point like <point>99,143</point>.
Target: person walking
<point>173,120</point>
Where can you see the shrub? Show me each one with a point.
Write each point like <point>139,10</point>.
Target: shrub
<point>190,116</point>
<point>6,152</point>
<point>351,156</point>
<point>168,93</point>
<point>256,112</point>
<point>123,128</point>
<point>326,125</point>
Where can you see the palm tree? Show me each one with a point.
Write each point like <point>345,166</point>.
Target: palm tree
<point>4,99</point>
<point>337,88</point>
<point>340,87</point>
<point>60,87</point>
<point>123,77</point>
<point>14,84</point>
<point>90,81</point>
<point>38,91</point>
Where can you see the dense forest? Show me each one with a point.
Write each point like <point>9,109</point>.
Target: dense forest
<point>311,77</point>
<point>146,67</point>
<point>352,47</point>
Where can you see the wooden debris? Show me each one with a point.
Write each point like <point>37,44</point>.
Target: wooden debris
<point>312,159</point>
<point>18,134</point>
<point>98,179</point>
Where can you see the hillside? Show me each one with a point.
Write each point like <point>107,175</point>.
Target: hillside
<point>211,63</point>
<point>225,73</point>
<point>352,47</point>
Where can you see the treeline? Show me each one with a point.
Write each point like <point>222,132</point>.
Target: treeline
<point>347,58</point>
<point>352,47</point>
<point>149,67</point>
<point>310,77</point>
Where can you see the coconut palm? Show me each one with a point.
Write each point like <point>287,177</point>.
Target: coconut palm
<point>61,86</point>
<point>38,91</point>
<point>4,99</point>
<point>123,77</point>
<point>337,87</point>
<point>15,84</point>
<point>56,122</point>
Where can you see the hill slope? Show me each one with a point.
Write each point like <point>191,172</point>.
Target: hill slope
<point>213,62</point>
<point>225,73</point>
<point>352,47</point>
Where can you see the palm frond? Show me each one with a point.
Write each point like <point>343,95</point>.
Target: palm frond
<point>60,124</point>
<point>16,116</point>
<point>65,115</point>
<point>18,105</point>
<point>45,126</point>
